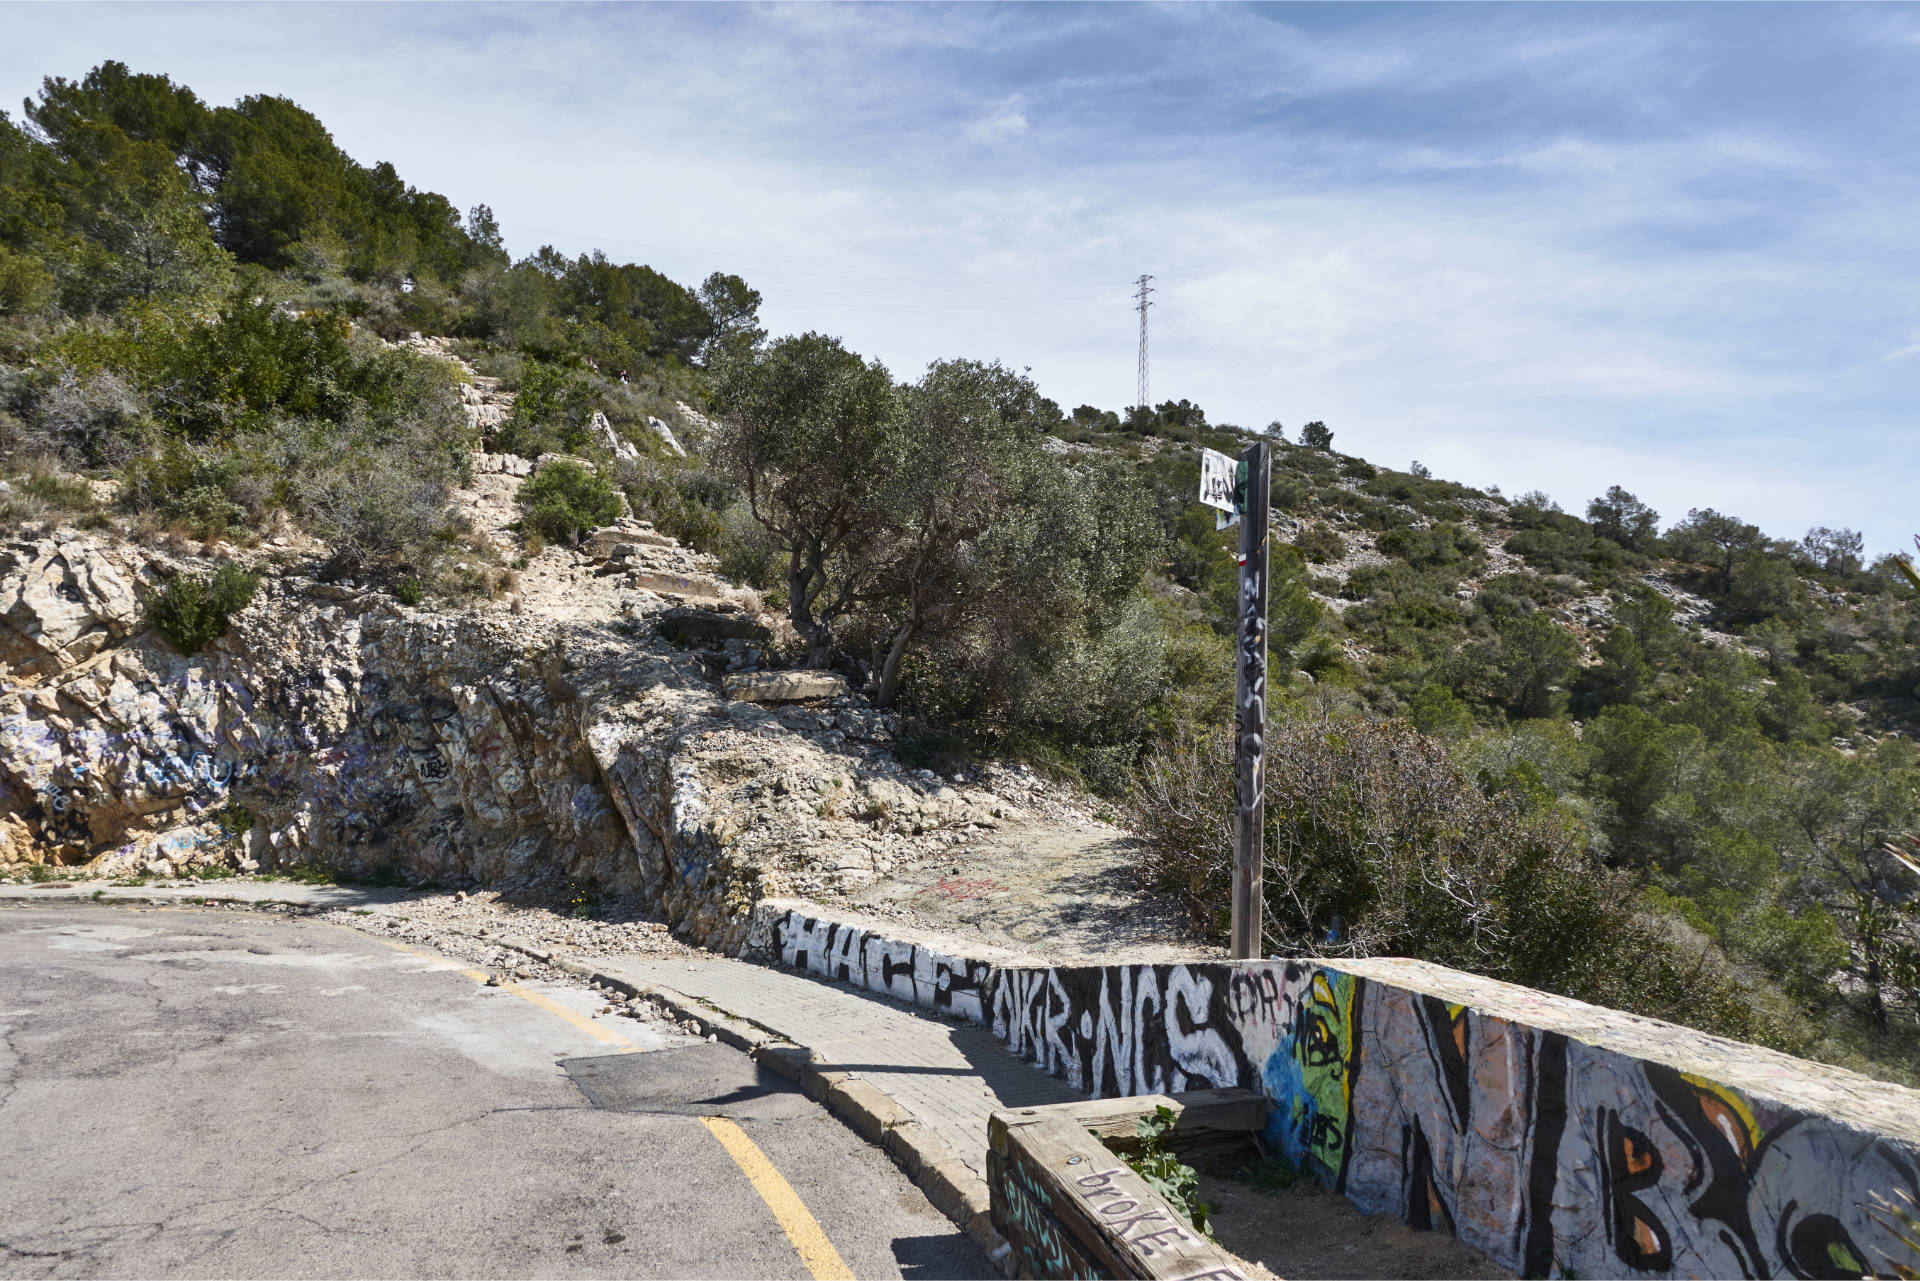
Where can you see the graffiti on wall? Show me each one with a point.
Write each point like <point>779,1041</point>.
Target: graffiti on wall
<point>846,954</point>
<point>1120,1030</point>
<point>1553,1155</point>
<point>1310,1074</point>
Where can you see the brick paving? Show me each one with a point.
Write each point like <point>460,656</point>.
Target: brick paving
<point>949,1076</point>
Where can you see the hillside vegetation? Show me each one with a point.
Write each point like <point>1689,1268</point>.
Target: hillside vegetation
<point>1662,764</point>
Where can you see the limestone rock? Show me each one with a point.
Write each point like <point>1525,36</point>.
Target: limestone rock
<point>616,444</point>
<point>702,586</point>
<point>575,459</point>
<point>667,438</point>
<point>626,532</point>
<point>695,626</point>
<point>61,603</point>
<point>784,687</point>
<point>502,465</point>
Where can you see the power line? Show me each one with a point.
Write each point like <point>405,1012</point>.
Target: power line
<point>1141,290</point>
<point>1229,363</point>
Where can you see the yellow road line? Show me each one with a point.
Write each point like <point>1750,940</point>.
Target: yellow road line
<point>788,1210</point>
<point>586,1025</point>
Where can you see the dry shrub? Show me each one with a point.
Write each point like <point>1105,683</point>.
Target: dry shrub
<point>1377,845</point>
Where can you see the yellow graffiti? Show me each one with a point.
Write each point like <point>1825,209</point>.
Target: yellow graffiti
<point>1728,1112</point>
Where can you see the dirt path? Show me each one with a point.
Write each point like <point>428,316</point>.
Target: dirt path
<point>1060,893</point>
<point>1041,877</point>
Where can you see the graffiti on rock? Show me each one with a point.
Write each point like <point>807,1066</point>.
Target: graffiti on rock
<point>191,743</point>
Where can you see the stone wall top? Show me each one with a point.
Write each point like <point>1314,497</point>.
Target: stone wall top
<point>769,912</point>
<point>1889,1109</point>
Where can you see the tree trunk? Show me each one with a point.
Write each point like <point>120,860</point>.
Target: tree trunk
<point>890,672</point>
<point>1870,944</point>
<point>817,633</point>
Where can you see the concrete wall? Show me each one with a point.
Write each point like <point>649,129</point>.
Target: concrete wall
<point>1559,1137</point>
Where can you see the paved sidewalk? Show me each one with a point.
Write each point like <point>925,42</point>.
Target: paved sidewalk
<point>948,1076</point>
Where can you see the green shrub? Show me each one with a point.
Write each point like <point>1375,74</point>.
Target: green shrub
<point>207,510</point>
<point>566,500</point>
<point>693,504</point>
<point>552,407</point>
<point>1321,543</point>
<point>383,524</point>
<point>190,612</point>
<point>1443,543</point>
<point>1177,1182</point>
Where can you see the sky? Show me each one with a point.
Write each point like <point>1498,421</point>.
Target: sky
<point>1553,247</point>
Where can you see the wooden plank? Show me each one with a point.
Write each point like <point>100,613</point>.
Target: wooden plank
<point>1040,1241</point>
<point>1111,1211</point>
<point>1044,1154</point>
<point>1199,1115</point>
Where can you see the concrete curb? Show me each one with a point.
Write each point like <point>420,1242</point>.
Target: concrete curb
<point>935,1168</point>
<point>125,899</point>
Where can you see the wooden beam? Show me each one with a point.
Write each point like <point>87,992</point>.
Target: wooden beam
<point>1073,1203</point>
<point>1198,1115</point>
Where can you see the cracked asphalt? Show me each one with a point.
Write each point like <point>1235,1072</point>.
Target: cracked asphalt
<point>231,1093</point>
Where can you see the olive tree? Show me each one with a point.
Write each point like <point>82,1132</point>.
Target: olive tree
<point>970,457</point>
<point>814,436</point>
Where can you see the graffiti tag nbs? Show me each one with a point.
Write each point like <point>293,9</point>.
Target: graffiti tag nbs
<point>1247,498</point>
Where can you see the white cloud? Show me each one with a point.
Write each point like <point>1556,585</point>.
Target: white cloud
<point>1006,121</point>
<point>1534,247</point>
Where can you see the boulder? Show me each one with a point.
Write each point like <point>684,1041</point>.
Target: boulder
<point>60,603</point>
<point>687,626</point>
<point>540,463</point>
<point>784,687</point>
<point>712,589</point>
<point>625,532</point>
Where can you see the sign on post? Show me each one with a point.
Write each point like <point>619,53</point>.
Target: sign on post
<point>1220,478</point>
<point>1250,705</point>
<point>1243,486</point>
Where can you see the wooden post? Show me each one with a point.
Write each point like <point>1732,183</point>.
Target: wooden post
<point>1250,707</point>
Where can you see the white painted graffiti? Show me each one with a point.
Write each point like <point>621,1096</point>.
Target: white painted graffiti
<point>848,954</point>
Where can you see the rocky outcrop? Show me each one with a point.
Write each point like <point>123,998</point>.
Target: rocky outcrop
<point>667,438</point>
<point>334,726</point>
<point>502,465</point>
<point>613,442</point>
<point>576,723</point>
<point>60,603</point>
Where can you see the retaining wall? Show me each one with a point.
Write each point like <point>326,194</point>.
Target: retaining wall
<point>1558,1137</point>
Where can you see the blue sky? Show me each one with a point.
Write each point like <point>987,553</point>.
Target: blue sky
<point>1555,247</point>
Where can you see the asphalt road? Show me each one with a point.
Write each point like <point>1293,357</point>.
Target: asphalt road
<point>234,1094</point>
